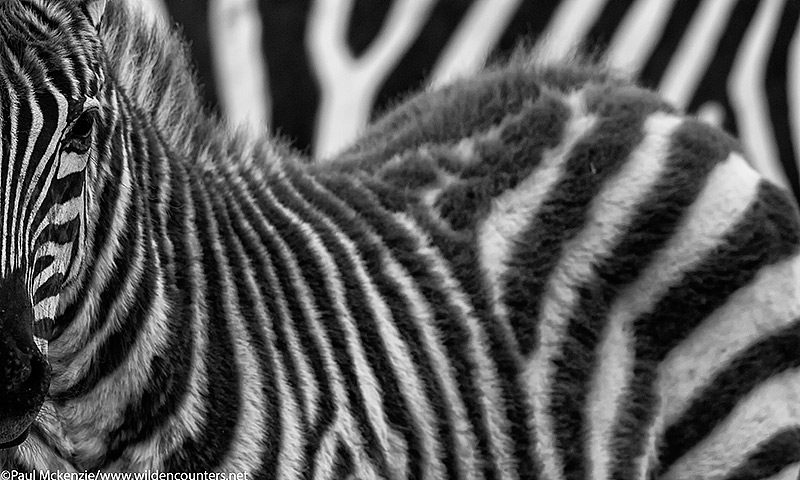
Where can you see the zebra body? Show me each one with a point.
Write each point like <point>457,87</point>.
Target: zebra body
<point>536,273</point>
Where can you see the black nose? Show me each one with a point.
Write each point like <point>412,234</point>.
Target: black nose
<point>24,372</point>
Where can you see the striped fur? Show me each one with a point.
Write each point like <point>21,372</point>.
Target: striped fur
<point>536,273</point>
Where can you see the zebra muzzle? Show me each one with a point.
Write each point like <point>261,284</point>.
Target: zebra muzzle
<point>24,370</point>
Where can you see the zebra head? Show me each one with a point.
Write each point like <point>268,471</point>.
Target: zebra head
<point>50,81</point>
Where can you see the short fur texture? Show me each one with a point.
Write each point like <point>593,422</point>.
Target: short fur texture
<point>539,272</point>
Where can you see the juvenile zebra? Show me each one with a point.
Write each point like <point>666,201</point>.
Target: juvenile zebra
<point>536,273</point>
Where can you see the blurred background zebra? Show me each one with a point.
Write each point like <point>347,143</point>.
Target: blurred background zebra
<point>316,71</point>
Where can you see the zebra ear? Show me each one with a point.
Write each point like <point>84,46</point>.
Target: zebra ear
<point>95,9</point>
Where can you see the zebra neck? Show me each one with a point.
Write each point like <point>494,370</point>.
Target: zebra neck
<point>123,251</point>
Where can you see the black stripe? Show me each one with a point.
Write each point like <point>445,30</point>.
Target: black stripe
<point>50,288</point>
<point>60,234</point>
<point>417,61</point>
<point>458,253</point>
<point>169,373</point>
<point>606,24</point>
<point>694,151</point>
<point>367,19</point>
<point>770,457</point>
<point>449,322</point>
<point>222,409</point>
<point>462,255</point>
<point>369,337</point>
<point>128,237</point>
<point>674,31</point>
<point>343,462</point>
<point>321,285</point>
<point>368,213</point>
<point>67,188</point>
<point>775,84</point>
<point>117,347</point>
<point>713,86</point>
<point>42,263</point>
<point>394,403</point>
<point>504,163</point>
<point>594,158</point>
<point>123,260</point>
<point>48,105</point>
<point>428,118</point>
<point>531,19</point>
<point>24,121</point>
<point>767,233</point>
<point>243,228</point>
<point>109,197</point>
<point>246,228</point>
<point>47,23</point>
<point>302,324</point>
<point>255,326</point>
<point>765,359</point>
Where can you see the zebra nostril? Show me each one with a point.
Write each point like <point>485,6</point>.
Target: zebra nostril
<point>15,367</point>
<point>24,382</point>
<point>24,371</point>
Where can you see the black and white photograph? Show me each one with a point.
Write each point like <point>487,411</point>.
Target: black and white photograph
<point>399,239</point>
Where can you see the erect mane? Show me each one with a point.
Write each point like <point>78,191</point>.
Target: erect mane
<point>151,63</point>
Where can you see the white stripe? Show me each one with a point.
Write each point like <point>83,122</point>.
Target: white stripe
<point>420,311</point>
<point>476,36</point>
<point>727,194</point>
<point>71,162</point>
<point>401,363</point>
<point>766,305</point>
<point>642,170</point>
<point>748,98</point>
<point>606,223</point>
<point>788,473</point>
<point>18,248</point>
<point>33,131</point>
<point>326,454</point>
<point>240,69</point>
<point>367,382</point>
<point>7,261</point>
<point>567,28</point>
<point>308,389</point>
<point>638,34</point>
<point>767,410</point>
<point>486,374</point>
<point>514,208</point>
<point>104,266</point>
<point>306,301</point>
<point>290,454</point>
<point>99,410</point>
<point>793,94</point>
<point>39,197</point>
<point>245,450</point>
<point>695,51</point>
<point>83,351</point>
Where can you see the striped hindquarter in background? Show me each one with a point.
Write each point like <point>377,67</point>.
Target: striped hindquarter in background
<point>317,71</point>
<point>539,272</point>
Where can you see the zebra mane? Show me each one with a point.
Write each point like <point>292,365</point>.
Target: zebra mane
<point>151,62</point>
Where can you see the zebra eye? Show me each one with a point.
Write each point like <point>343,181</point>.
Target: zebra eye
<point>80,133</point>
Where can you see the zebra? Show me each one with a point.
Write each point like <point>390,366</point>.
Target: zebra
<point>543,271</point>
